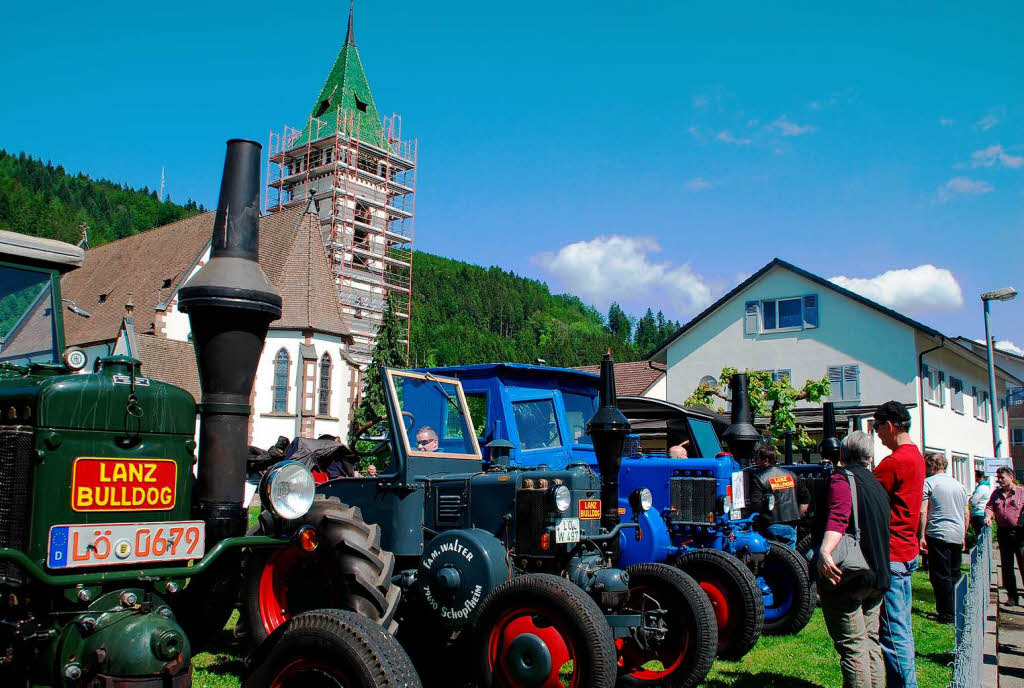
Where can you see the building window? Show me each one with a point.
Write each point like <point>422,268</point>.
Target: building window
<point>961,469</point>
<point>709,381</point>
<point>281,366</point>
<point>1017,436</point>
<point>1015,396</point>
<point>779,315</point>
<point>1002,413</point>
<point>980,404</point>
<point>845,382</point>
<point>956,394</point>
<point>779,375</point>
<point>324,399</point>
<point>934,382</point>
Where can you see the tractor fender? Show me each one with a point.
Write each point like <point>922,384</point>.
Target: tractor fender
<point>748,542</point>
<point>655,543</point>
<point>458,569</point>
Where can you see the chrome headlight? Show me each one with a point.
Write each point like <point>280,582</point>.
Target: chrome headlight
<point>641,499</point>
<point>562,497</point>
<point>287,490</point>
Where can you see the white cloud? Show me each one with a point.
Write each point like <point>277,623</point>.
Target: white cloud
<point>924,288</point>
<point>963,185</point>
<point>594,270</point>
<point>995,155</point>
<point>788,128</point>
<point>700,100</point>
<point>1005,345</point>
<point>947,122</point>
<point>988,121</point>
<point>727,137</point>
<point>698,184</point>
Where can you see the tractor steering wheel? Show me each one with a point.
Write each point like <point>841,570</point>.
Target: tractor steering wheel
<point>408,419</point>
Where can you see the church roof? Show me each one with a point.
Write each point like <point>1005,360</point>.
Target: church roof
<point>152,265</point>
<point>169,360</point>
<point>347,88</point>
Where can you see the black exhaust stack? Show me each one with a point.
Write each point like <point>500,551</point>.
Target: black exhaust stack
<point>230,304</point>
<point>608,429</point>
<point>829,445</point>
<point>741,435</point>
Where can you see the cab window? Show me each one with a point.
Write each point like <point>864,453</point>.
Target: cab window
<point>434,415</point>
<point>704,435</point>
<point>537,424</point>
<point>579,409</point>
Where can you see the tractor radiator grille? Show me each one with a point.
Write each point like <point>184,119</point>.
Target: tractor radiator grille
<point>451,505</point>
<point>15,488</point>
<point>531,521</point>
<point>693,498</point>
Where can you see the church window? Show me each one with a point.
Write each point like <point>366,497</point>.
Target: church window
<point>281,366</point>
<point>324,397</point>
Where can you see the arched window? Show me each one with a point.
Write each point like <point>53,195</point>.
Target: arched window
<point>708,380</point>
<point>324,400</point>
<point>281,365</point>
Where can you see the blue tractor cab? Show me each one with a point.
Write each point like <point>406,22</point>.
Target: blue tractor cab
<point>696,521</point>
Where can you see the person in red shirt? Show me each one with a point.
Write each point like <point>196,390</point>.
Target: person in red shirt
<point>902,475</point>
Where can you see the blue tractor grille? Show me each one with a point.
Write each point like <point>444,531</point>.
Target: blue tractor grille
<point>693,499</point>
<point>16,453</point>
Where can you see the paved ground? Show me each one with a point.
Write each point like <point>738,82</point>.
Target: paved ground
<point>1008,642</point>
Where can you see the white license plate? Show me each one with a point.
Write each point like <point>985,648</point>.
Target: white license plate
<point>567,530</point>
<point>106,544</point>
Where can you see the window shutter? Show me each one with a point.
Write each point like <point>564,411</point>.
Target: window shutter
<point>835,381</point>
<point>811,310</point>
<point>752,319</point>
<point>851,382</point>
<point>926,381</point>
<point>942,388</point>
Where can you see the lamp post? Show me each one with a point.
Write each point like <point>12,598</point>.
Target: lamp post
<point>1004,294</point>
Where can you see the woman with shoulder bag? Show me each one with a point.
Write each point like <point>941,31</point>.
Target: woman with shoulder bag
<point>852,533</point>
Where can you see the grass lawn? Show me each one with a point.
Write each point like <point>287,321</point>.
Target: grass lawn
<point>800,661</point>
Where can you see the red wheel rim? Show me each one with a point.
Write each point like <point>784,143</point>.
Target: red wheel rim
<point>632,657</point>
<point>551,631</point>
<point>304,672</point>
<point>721,600</point>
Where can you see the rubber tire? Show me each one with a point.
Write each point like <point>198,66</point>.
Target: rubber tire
<point>699,618</point>
<point>591,635</point>
<point>205,605</point>
<point>360,572</point>
<point>359,647</point>
<point>793,567</point>
<point>725,570</point>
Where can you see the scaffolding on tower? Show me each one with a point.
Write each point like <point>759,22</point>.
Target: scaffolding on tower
<point>363,179</point>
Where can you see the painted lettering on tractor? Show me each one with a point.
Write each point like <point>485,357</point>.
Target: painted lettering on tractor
<point>590,508</point>
<point>106,484</point>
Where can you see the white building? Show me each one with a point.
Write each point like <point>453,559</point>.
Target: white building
<point>1013,364</point>
<point>796,324</point>
<point>305,381</point>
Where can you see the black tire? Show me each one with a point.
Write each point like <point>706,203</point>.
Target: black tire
<point>317,649</point>
<point>734,595</point>
<point>787,575</point>
<point>690,622</point>
<point>803,546</point>
<point>564,613</point>
<point>205,605</point>
<point>348,570</point>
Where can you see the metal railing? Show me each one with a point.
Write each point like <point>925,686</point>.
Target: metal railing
<point>972,597</point>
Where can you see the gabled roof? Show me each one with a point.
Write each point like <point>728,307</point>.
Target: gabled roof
<point>778,262</point>
<point>171,361</point>
<point>347,88</point>
<point>632,378</point>
<point>152,266</point>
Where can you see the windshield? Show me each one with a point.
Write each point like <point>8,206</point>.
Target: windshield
<point>27,333</point>
<point>537,424</point>
<point>435,416</point>
<point>707,441</point>
<point>579,409</point>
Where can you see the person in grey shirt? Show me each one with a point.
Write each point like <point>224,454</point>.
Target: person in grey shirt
<point>942,531</point>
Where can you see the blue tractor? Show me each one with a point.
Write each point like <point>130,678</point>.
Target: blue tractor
<point>693,523</point>
<point>506,575</point>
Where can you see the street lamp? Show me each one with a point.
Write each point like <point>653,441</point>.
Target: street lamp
<point>1004,294</point>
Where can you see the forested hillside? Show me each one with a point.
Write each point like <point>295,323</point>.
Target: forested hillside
<point>42,199</point>
<point>462,313</point>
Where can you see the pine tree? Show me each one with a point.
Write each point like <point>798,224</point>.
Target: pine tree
<point>647,334</point>
<point>618,322</point>
<point>388,352</point>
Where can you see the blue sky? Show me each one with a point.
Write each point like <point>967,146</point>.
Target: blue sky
<point>650,152</point>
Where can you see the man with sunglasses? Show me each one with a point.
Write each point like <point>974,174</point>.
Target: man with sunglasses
<point>426,439</point>
<point>902,475</point>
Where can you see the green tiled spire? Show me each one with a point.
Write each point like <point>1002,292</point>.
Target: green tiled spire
<point>346,87</point>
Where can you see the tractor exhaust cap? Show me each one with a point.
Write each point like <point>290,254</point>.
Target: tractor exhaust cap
<point>230,304</point>
<point>741,435</point>
<point>608,429</point>
<point>829,446</point>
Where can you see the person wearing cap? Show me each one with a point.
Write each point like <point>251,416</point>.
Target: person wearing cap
<point>902,475</point>
<point>777,496</point>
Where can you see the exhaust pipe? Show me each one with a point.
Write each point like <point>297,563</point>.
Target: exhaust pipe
<point>829,445</point>
<point>230,305</point>
<point>741,435</point>
<point>608,429</point>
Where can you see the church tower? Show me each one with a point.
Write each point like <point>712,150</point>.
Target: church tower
<point>362,176</point>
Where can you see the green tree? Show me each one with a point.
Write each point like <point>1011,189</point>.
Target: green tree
<point>388,352</point>
<point>647,334</point>
<point>768,397</point>
<point>618,322</point>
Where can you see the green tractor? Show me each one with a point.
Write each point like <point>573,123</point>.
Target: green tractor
<point>116,564</point>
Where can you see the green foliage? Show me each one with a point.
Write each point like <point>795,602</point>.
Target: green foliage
<point>618,322</point>
<point>773,398</point>
<point>40,199</point>
<point>388,352</point>
<point>465,313</point>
